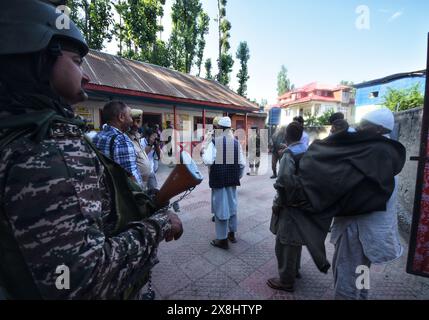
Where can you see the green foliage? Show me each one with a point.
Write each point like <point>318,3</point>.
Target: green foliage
<point>349,84</point>
<point>94,19</point>
<point>160,54</point>
<point>203,30</point>
<point>323,120</point>
<point>310,121</point>
<point>137,30</point>
<point>283,83</point>
<point>225,60</point>
<point>185,33</point>
<point>403,99</point>
<point>208,67</point>
<point>243,56</point>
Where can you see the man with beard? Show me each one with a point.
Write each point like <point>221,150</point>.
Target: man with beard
<point>113,140</point>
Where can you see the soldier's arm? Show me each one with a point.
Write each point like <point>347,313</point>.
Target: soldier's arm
<point>54,211</point>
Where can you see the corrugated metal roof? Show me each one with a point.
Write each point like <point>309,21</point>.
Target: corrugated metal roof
<point>419,73</point>
<point>111,71</point>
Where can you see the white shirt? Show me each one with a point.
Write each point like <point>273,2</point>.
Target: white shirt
<point>209,155</point>
<point>151,154</point>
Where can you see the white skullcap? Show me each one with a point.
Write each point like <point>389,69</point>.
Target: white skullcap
<point>136,113</point>
<point>225,122</point>
<point>382,117</point>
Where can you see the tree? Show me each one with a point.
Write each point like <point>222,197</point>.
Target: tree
<point>185,33</point>
<point>323,120</point>
<point>203,30</point>
<point>225,61</point>
<point>403,99</point>
<point>137,30</point>
<point>349,84</point>
<point>243,56</point>
<point>208,67</point>
<point>283,83</point>
<point>94,19</point>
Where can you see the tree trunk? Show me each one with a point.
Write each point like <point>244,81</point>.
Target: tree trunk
<point>220,43</point>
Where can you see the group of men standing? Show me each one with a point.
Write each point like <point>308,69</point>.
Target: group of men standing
<point>350,177</point>
<point>57,197</point>
<point>120,139</point>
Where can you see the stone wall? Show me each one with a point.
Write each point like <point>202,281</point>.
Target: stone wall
<point>408,124</point>
<point>317,132</point>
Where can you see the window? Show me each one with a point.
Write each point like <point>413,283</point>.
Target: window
<point>198,123</point>
<point>316,109</point>
<point>373,94</point>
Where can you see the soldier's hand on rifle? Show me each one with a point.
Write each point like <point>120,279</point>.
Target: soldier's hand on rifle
<point>176,227</point>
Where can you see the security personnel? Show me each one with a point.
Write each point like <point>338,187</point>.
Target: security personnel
<point>54,201</point>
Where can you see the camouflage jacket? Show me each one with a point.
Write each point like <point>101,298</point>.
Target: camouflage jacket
<point>56,203</point>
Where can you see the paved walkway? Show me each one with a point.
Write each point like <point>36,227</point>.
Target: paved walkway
<point>191,268</point>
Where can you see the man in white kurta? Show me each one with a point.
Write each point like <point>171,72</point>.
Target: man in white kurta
<point>225,157</point>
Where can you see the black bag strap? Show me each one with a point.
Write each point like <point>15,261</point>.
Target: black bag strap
<point>112,146</point>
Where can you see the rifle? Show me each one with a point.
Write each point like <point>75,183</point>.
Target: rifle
<point>185,176</point>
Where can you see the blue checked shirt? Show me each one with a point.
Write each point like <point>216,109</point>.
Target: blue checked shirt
<point>123,149</point>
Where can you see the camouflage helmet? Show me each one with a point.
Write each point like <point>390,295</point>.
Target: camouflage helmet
<point>28,26</point>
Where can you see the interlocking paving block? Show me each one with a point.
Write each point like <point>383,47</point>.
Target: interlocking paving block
<point>198,205</point>
<point>200,244</point>
<point>215,285</point>
<point>197,268</point>
<point>247,224</point>
<point>283,295</point>
<point>182,255</point>
<point>218,256</point>
<point>313,284</point>
<point>167,278</point>
<point>261,217</point>
<point>256,256</point>
<point>270,268</point>
<point>252,237</point>
<point>256,284</point>
<point>237,269</point>
<point>240,293</point>
<point>239,247</point>
<point>392,290</point>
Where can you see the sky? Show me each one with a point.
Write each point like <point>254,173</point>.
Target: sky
<point>319,40</point>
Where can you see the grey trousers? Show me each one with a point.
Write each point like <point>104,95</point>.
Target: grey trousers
<point>288,261</point>
<point>348,256</point>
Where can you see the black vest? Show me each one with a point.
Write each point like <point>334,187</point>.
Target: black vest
<point>225,171</point>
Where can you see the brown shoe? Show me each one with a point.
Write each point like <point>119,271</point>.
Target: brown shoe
<point>223,244</point>
<point>231,237</point>
<point>276,283</point>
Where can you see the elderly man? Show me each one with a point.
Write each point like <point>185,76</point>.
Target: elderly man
<point>225,158</point>
<point>143,163</point>
<point>365,239</point>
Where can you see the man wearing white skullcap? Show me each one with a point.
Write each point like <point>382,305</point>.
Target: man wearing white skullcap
<point>367,239</point>
<point>225,158</point>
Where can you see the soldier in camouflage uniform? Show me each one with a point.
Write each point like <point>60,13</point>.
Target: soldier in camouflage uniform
<point>55,206</point>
